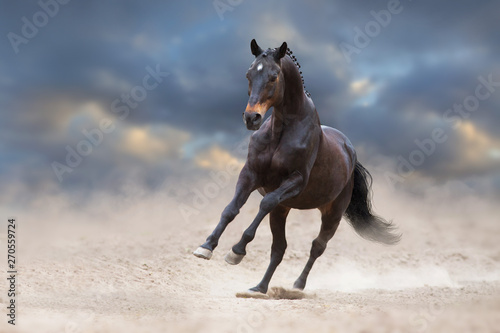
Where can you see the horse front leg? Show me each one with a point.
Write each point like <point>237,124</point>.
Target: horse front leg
<point>245,186</point>
<point>289,188</point>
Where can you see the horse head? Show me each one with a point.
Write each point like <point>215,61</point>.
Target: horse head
<point>266,84</point>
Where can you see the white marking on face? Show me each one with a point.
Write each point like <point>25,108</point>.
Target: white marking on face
<point>259,67</point>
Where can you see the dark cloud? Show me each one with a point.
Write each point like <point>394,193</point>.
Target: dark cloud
<point>394,91</point>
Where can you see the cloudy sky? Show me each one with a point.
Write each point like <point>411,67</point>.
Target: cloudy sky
<point>154,90</point>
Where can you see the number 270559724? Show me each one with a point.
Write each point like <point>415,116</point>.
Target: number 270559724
<point>11,244</point>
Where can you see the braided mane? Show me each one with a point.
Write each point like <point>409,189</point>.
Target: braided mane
<point>290,54</point>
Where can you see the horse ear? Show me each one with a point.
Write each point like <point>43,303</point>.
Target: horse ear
<point>281,52</point>
<point>256,50</point>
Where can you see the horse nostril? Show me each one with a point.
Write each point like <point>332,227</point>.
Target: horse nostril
<point>252,119</point>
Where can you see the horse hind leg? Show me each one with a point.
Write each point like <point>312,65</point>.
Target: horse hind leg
<point>330,220</point>
<point>329,225</point>
<point>277,221</point>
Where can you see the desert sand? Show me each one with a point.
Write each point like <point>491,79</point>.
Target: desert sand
<point>125,264</point>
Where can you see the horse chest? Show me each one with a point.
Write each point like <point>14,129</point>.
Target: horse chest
<point>277,166</point>
<point>274,161</point>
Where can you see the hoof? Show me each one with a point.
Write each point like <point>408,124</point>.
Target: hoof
<point>233,258</point>
<point>299,285</point>
<point>252,294</point>
<point>201,252</point>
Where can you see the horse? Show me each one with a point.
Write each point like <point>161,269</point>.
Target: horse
<point>295,162</point>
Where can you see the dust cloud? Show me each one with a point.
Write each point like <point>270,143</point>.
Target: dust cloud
<point>123,262</point>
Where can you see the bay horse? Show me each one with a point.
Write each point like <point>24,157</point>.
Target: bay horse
<point>295,162</point>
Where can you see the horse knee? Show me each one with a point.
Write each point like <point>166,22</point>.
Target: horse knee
<point>229,213</point>
<point>270,201</point>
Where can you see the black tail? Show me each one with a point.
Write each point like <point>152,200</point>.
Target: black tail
<point>359,213</point>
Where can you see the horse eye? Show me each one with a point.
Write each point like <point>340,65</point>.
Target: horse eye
<point>273,77</point>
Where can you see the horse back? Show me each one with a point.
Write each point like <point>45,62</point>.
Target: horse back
<point>337,144</point>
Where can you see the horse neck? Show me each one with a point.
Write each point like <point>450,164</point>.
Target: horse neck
<point>292,108</point>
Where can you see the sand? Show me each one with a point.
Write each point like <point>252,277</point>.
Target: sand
<point>126,265</point>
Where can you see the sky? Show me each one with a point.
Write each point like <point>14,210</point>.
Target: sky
<point>96,95</point>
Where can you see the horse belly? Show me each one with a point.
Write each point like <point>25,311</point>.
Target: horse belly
<point>320,190</point>
<point>331,172</point>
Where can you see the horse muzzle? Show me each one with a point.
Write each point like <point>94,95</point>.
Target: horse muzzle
<point>253,120</point>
